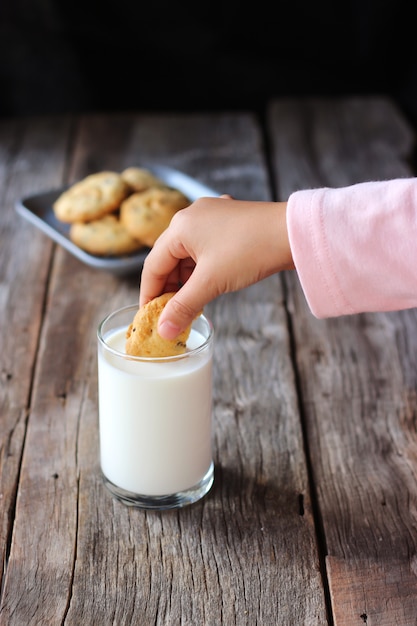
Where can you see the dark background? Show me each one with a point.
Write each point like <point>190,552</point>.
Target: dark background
<point>62,56</point>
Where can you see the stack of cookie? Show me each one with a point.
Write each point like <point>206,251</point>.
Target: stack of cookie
<point>114,214</point>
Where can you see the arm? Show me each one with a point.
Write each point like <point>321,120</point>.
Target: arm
<point>355,248</point>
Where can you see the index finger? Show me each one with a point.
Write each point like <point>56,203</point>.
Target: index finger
<point>160,270</point>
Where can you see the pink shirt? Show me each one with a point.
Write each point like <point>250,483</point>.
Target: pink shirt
<point>355,248</point>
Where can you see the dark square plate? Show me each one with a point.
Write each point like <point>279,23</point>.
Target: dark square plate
<point>37,209</point>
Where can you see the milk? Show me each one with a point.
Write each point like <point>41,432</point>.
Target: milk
<point>155,417</point>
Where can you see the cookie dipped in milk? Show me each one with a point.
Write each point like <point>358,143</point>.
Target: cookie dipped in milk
<point>155,408</point>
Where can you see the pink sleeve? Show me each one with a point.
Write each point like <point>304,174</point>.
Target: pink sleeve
<point>355,248</point>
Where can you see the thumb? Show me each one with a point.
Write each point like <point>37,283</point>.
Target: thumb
<point>182,308</point>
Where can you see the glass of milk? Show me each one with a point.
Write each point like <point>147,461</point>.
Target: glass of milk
<point>155,417</point>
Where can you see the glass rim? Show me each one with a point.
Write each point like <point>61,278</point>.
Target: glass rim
<point>152,359</point>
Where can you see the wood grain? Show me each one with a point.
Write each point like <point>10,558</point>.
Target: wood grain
<point>312,517</point>
<point>357,376</point>
<point>25,256</point>
<point>247,553</point>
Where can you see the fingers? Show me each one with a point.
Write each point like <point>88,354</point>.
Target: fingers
<point>187,303</point>
<point>170,266</point>
<point>161,269</point>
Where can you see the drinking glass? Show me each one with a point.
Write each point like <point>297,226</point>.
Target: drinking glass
<point>155,417</point>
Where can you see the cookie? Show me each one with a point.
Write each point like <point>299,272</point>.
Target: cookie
<point>139,179</point>
<point>147,214</point>
<point>104,237</point>
<point>91,198</point>
<point>142,337</point>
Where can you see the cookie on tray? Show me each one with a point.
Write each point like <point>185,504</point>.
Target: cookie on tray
<point>104,237</point>
<point>147,214</point>
<point>91,198</point>
<point>142,338</point>
<point>140,178</point>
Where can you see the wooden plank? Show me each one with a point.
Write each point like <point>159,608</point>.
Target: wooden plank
<point>32,156</point>
<point>247,553</point>
<point>357,375</point>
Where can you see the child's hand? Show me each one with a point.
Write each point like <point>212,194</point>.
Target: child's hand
<point>214,246</point>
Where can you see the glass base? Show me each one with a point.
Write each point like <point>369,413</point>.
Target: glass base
<point>169,501</point>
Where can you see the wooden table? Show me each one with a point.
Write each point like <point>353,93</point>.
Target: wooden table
<point>313,515</point>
